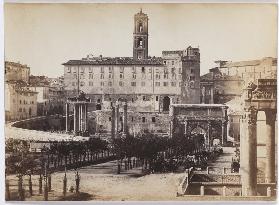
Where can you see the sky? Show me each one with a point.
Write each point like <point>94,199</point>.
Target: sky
<point>44,36</point>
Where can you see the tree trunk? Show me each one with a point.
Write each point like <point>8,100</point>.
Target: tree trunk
<point>30,185</point>
<point>49,182</point>
<point>40,184</point>
<point>7,196</point>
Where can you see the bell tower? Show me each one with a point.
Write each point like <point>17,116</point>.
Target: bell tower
<point>140,48</point>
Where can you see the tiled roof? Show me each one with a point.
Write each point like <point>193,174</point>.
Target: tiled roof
<point>116,61</point>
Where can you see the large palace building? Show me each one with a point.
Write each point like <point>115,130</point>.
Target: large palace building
<point>148,84</point>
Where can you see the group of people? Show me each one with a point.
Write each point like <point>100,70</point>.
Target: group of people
<point>197,160</point>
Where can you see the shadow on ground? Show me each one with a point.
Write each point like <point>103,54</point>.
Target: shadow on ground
<point>82,196</point>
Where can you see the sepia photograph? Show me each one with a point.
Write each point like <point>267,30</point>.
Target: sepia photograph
<point>140,101</point>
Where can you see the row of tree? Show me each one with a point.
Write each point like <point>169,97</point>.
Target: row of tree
<point>148,148</point>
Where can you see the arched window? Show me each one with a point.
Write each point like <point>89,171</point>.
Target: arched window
<point>140,43</point>
<point>140,28</point>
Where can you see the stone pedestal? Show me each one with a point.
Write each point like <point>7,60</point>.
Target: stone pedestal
<point>270,146</point>
<point>248,159</point>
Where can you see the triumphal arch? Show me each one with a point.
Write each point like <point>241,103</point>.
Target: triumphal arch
<point>257,97</point>
<point>211,120</point>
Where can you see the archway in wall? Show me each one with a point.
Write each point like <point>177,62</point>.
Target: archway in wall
<point>199,135</point>
<point>166,103</point>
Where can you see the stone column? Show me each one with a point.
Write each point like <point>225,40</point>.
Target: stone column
<point>248,145</point>
<point>113,122</point>
<point>224,132</point>
<point>211,95</point>
<point>86,117</point>
<point>81,117</point>
<point>125,118</point>
<point>67,118</point>
<point>116,118</point>
<point>75,117</point>
<point>270,146</point>
<point>203,95</point>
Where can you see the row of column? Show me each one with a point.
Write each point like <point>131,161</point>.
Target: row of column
<point>204,95</point>
<point>80,117</point>
<point>115,117</point>
<point>248,150</point>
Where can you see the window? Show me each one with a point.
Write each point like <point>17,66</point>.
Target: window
<point>172,62</point>
<point>142,69</point>
<point>144,98</point>
<point>121,76</point>
<point>165,76</point>
<point>173,70</point>
<point>166,84</point>
<point>157,84</point>
<point>19,101</point>
<point>134,76</point>
<point>179,77</point>
<point>173,84</point>
<point>121,69</point>
<point>75,76</point>
<point>132,99</point>
<point>192,77</point>
<point>121,83</point>
<point>102,76</point>
<point>110,119</point>
<point>157,98</point>
<point>174,76</point>
<point>90,69</point>
<point>82,70</point>
<point>90,83</point>
<point>192,70</point>
<point>153,119</point>
<point>142,84</point>
<point>102,83</point>
<point>109,83</point>
<point>132,119</point>
<point>133,69</point>
<point>157,76</point>
<point>81,76</point>
<point>110,76</point>
<point>102,69</point>
<point>20,109</point>
<point>82,83</point>
<point>165,62</point>
<point>133,83</point>
<point>143,119</point>
<point>91,76</point>
<point>68,69</point>
<point>110,69</point>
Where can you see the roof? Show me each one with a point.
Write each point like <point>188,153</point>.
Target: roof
<point>249,63</point>
<point>116,61</point>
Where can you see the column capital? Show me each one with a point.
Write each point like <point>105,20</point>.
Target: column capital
<point>250,114</point>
